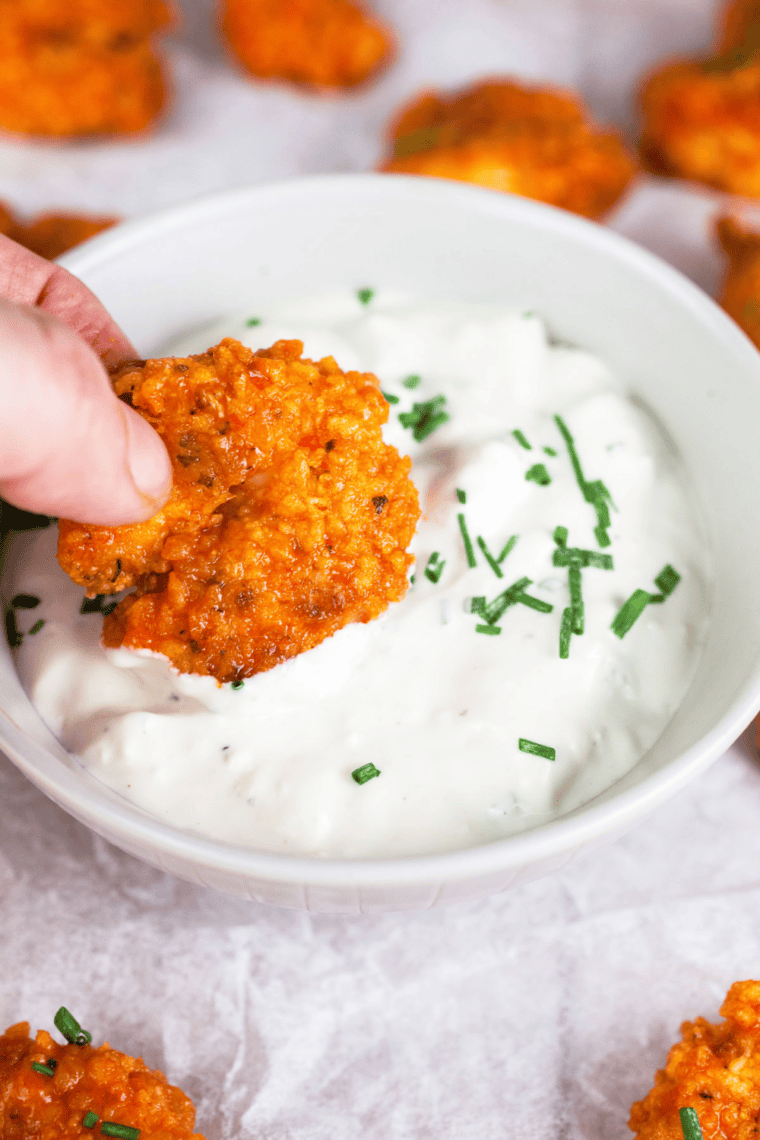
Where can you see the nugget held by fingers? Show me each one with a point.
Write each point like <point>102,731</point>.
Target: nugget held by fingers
<point>741,288</point>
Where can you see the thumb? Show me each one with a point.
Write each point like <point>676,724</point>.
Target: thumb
<point>68,446</point>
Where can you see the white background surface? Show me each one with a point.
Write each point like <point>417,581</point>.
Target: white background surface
<point>540,1013</point>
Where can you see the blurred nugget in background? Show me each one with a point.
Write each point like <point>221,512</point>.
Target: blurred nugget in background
<point>80,67</point>
<point>535,141</point>
<point>325,43</point>
<point>50,235</point>
<point>702,117</point>
<point>741,288</point>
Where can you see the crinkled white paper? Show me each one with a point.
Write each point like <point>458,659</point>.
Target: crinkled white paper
<point>540,1013</point>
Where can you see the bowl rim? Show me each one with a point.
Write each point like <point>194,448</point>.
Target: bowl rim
<point>591,822</point>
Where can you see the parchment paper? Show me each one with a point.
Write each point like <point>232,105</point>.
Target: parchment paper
<point>540,1013</point>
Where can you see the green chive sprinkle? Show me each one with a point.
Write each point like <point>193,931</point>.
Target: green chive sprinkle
<point>70,1028</point>
<point>461,495</point>
<point>365,295</point>
<point>37,626</point>
<point>534,603</point>
<point>97,605</point>
<point>489,557</point>
<point>390,398</point>
<point>492,611</point>
<point>560,535</point>
<point>366,772</point>
<point>412,579</point>
<point>574,556</point>
<point>424,418</point>
<point>690,1125</point>
<point>538,474</point>
<point>491,630</point>
<point>435,567</point>
<point>565,632</point>
<point>467,541</point>
<point>478,606</point>
<point>542,750</point>
<point>44,1069</point>
<point>520,437</point>
<point>629,613</point>
<point>576,599</point>
<point>594,492</point>
<point>12,633</point>
<point>237,685</point>
<point>667,580</point>
<point>508,547</point>
<point>412,382</point>
<point>550,451</point>
<point>252,322</point>
<point>123,1131</point>
<point>24,602</point>
<point>90,1120</point>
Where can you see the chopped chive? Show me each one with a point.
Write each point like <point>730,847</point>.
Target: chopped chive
<point>491,630</point>
<point>667,580</point>
<point>390,398</point>
<point>412,382</point>
<point>461,495</point>
<point>492,611</point>
<point>520,437</point>
<point>70,1028</point>
<point>542,750</point>
<point>565,632</point>
<point>365,295</point>
<point>508,547</point>
<point>123,1131</point>
<point>534,603</point>
<point>252,322</point>
<point>366,772</point>
<point>52,1062</point>
<point>237,685</point>
<point>90,1120</point>
<point>434,568</point>
<point>576,599</point>
<point>629,613</point>
<point>594,492</point>
<point>550,451</point>
<point>37,626</point>
<point>424,418</point>
<point>412,579</point>
<point>92,605</point>
<point>44,1069</point>
<point>690,1126</point>
<point>489,557</point>
<point>467,541</point>
<point>109,608</point>
<point>538,474</point>
<point>12,632</point>
<point>24,602</point>
<point>560,535</point>
<point>574,556</point>
<point>478,606</point>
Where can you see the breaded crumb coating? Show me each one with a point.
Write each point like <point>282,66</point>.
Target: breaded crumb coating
<point>533,141</point>
<point>80,67</point>
<point>325,43</point>
<point>715,1070</point>
<point>117,1088</point>
<point>741,288</point>
<point>289,517</point>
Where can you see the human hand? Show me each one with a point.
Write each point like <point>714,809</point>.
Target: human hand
<point>68,446</point>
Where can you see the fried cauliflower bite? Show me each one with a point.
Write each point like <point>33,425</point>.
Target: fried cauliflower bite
<point>80,67</point>
<point>289,517</point>
<point>117,1088</point>
<point>50,235</point>
<point>537,142</point>
<point>741,288</point>
<point>715,1070</point>
<point>324,43</point>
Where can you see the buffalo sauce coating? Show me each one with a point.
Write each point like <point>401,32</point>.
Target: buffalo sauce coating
<point>289,517</point>
<point>114,1086</point>
<point>714,1069</point>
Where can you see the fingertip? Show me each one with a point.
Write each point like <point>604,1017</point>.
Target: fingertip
<point>148,465</point>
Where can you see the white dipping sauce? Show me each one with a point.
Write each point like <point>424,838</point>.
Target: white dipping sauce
<point>437,707</point>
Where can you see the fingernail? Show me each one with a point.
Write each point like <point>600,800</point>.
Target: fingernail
<point>148,461</point>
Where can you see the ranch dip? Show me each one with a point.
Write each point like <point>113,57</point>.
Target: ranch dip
<point>555,620</point>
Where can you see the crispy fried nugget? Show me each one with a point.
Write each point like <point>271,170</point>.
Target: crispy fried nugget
<point>533,141</point>
<point>117,1088</point>
<point>326,43</point>
<point>80,67</point>
<point>741,288</point>
<point>289,517</point>
<point>715,1070</point>
<point>50,235</point>
<point>702,116</point>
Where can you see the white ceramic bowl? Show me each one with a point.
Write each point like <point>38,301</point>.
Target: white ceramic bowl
<point>167,274</point>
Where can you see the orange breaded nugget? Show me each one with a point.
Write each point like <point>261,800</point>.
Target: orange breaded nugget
<point>80,67</point>
<point>50,235</point>
<point>289,517</point>
<point>533,141</point>
<point>117,1088</point>
<point>7,221</point>
<point>715,1070</point>
<point>327,43</point>
<point>741,288</point>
